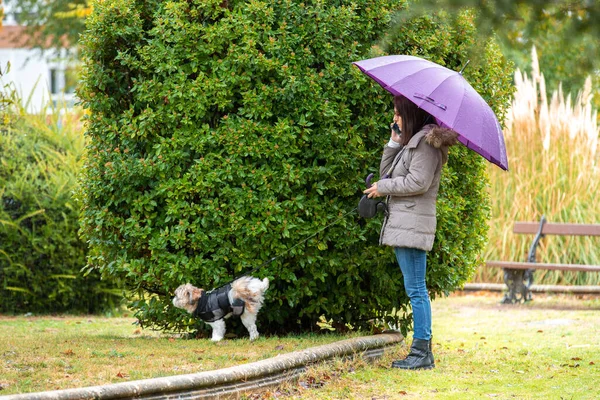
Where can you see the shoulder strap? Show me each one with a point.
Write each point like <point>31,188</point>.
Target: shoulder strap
<point>398,157</point>
<point>388,174</point>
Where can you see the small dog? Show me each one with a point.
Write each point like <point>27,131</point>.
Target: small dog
<point>243,297</point>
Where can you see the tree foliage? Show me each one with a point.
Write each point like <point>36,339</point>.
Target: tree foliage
<point>581,16</point>
<point>53,24</point>
<point>222,134</point>
<point>564,32</point>
<point>568,52</point>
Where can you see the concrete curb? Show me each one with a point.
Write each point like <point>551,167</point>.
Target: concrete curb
<point>227,382</point>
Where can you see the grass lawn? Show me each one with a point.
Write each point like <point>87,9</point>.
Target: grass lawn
<point>50,353</point>
<point>546,349</point>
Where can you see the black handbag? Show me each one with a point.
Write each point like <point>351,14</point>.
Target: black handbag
<point>368,208</point>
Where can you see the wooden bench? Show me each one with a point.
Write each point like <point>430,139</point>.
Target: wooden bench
<point>518,276</point>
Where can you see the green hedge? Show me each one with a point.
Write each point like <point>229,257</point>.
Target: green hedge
<point>222,134</point>
<point>41,255</point>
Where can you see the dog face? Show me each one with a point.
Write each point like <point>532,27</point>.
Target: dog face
<point>186,297</point>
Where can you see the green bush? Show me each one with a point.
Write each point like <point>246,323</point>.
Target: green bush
<point>41,255</point>
<point>224,133</point>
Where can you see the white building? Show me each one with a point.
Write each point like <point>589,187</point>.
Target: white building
<point>42,79</point>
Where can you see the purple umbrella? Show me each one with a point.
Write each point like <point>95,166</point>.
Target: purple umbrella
<point>447,96</point>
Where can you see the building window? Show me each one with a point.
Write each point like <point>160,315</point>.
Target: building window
<point>54,81</point>
<point>63,80</point>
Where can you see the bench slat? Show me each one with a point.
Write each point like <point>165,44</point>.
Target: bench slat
<point>551,228</point>
<point>556,267</point>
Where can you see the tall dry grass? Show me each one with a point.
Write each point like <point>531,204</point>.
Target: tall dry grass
<point>554,160</point>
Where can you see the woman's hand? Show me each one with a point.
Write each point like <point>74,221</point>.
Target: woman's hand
<point>372,191</point>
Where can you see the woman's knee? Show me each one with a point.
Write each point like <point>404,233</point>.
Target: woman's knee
<point>418,291</point>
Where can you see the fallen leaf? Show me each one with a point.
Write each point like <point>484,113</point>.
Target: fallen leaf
<point>68,352</point>
<point>576,359</point>
<point>402,392</point>
<point>540,331</point>
<point>121,375</point>
<point>592,363</point>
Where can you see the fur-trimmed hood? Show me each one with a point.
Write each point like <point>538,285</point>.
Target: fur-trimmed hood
<point>440,137</point>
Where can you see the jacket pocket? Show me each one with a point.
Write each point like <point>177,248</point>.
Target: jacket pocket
<point>407,204</point>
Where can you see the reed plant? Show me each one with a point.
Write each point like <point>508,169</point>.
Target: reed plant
<point>552,144</point>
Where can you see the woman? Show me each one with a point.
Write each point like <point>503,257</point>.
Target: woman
<point>410,169</point>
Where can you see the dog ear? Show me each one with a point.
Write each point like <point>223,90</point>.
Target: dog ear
<point>194,295</point>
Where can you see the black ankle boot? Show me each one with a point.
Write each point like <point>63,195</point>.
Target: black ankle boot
<point>420,356</point>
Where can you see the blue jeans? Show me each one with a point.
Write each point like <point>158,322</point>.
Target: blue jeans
<point>413,264</point>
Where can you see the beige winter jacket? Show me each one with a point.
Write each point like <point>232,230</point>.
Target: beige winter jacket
<point>412,187</point>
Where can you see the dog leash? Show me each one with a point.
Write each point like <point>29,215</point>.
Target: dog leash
<point>296,245</point>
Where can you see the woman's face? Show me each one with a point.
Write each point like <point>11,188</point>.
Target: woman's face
<point>397,117</point>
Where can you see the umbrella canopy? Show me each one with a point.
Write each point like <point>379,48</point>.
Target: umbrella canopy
<point>447,96</point>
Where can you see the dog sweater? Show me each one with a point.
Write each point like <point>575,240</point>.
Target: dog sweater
<point>214,305</point>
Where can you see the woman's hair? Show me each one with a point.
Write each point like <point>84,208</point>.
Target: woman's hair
<point>413,118</point>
